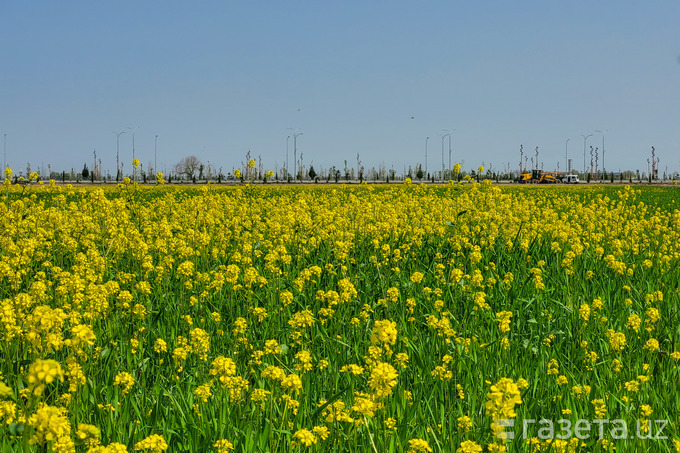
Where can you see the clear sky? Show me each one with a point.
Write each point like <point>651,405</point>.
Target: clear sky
<point>219,78</point>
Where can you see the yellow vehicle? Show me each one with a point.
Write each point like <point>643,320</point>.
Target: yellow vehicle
<point>537,177</point>
<point>524,178</point>
<point>547,178</point>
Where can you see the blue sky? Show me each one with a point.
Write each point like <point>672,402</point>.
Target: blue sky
<point>371,77</point>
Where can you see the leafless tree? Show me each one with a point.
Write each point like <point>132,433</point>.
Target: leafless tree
<point>188,166</point>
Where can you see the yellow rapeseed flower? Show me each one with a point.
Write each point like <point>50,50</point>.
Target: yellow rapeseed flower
<point>43,372</point>
<point>124,380</point>
<point>419,446</point>
<point>383,379</point>
<point>154,443</point>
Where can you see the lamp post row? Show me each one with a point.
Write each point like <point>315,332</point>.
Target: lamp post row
<point>296,134</point>
<point>155,150</point>
<point>118,134</point>
<point>585,140</point>
<point>443,136</point>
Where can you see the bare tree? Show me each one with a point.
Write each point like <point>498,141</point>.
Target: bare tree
<point>188,166</point>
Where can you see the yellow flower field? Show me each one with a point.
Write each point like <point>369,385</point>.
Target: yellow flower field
<point>394,318</point>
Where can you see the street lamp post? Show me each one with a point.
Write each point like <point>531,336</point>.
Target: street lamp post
<point>134,170</point>
<point>295,152</point>
<point>287,140</point>
<point>4,154</point>
<point>426,139</point>
<point>449,153</point>
<point>585,138</point>
<point>602,132</point>
<point>448,134</point>
<point>450,149</point>
<point>649,176</point>
<point>118,134</point>
<point>133,142</point>
<point>566,156</point>
<point>155,153</point>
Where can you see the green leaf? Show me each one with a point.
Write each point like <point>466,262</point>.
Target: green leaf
<point>16,429</point>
